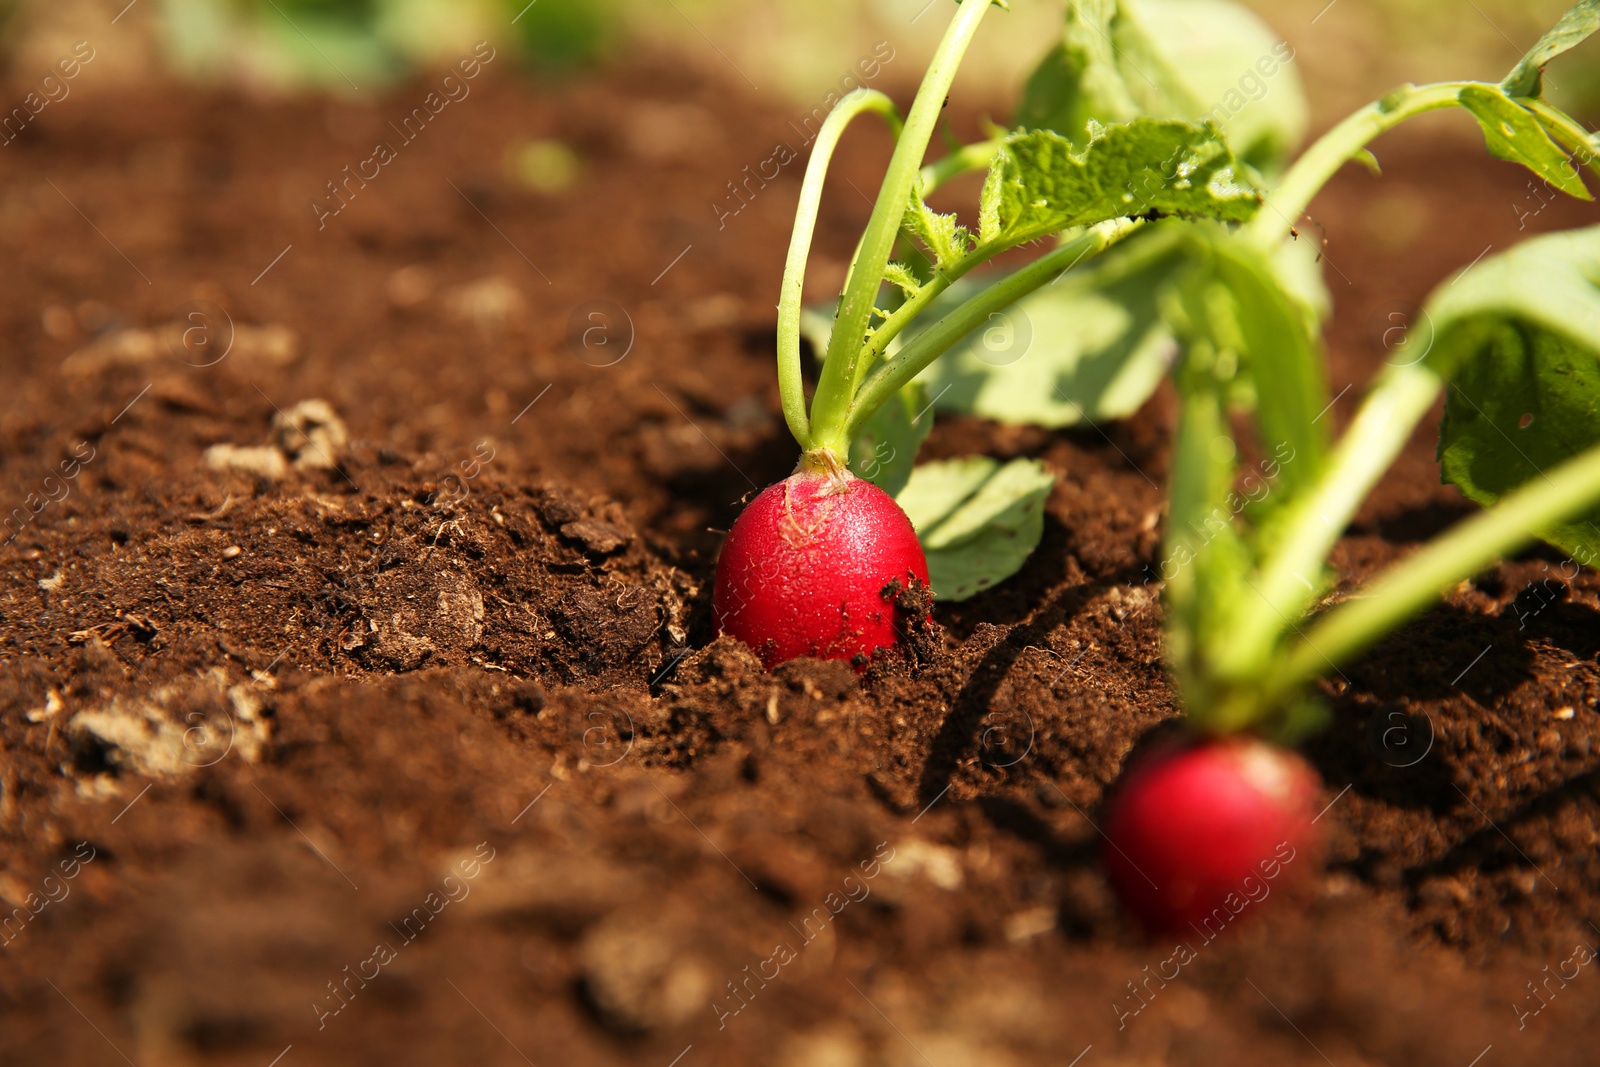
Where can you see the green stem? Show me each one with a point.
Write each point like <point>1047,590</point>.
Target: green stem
<point>966,158</point>
<point>890,328</point>
<point>791,380</point>
<point>1410,586</point>
<point>832,401</point>
<point>935,287</point>
<point>1338,146</point>
<point>891,376</point>
<point>1290,577</point>
<point>1198,482</point>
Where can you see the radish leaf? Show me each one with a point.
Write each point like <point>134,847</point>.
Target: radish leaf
<point>989,207</point>
<point>1516,337</point>
<point>978,519</point>
<point>1146,167</point>
<point>1573,28</point>
<point>1106,69</point>
<point>902,277</point>
<point>1567,132</point>
<point>1251,317</point>
<point>1511,133</point>
<point>1178,59</point>
<point>942,235</point>
<point>1087,348</point>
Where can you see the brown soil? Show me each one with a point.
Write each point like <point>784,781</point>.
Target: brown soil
<point>282,716</point>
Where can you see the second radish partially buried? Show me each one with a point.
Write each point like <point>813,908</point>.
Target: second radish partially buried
<point>1256,612</point>
<point>1198,833</point>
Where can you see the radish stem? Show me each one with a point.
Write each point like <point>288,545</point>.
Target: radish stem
<point>832,402</point>
<point>1409,586</point>
<point>1337,147</point>
<point>889,377</point>
<point>791,384</point>
<point>1309,529</point>
<point>931,290</point>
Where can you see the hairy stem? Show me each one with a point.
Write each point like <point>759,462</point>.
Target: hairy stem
<point>889,377</point>
<point>968,158</point>
<point>890,328</point>
<point>1338,146</point>
<point>791,382</point>
<point>832,402</point>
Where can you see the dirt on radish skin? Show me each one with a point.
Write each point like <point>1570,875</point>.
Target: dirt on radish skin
<point>1201,833</point>
<point>820,565</point>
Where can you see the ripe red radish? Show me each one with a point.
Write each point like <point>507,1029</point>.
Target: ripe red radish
<point>1197,833</point>
<point>813,567</point>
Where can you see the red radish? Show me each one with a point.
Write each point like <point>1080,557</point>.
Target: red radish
<point>1198,833</point>
<point>813,567</point>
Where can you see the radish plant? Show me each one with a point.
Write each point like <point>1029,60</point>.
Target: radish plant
<point>1118,156</point>
<point>1253,614</point>
<point>825,563</point>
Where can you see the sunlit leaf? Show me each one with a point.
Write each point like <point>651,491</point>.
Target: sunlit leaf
<point>942,235</point>
<point>1518,336</point>
<point>1512,134</point>
<point>1149,167</point>
<point>1089,347</point>
<point>1178,59</point>
<point>1571,30</point>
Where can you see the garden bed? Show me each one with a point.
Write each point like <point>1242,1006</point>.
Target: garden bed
<point>430,757</point>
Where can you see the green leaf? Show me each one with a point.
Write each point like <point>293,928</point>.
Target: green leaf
<point>1276,338</point>
<point>1567,132</point>
<point>1093,346</point>
<point>1519,338</point>
<point>1242,73</point>
<point>1094,75</point>
<point>1512,133</point>
<point>978,519</point>
<point>886,448</point>
<point>1090,346</point>
<point>1178,59</point>
<point>1146,167</point>
<point>989,206</point>
<point>1572,29</point>
<point>942,235</point>
<point>902,277</point>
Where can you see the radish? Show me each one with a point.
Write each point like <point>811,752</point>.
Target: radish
<point>1254,609</point>
<point>825,563</point>
<point>1198,833</point>
<point>814,566</point>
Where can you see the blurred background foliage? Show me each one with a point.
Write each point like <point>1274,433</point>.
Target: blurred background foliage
<point>1348,51</point>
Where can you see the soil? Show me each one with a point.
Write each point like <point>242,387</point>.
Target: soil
<point>428,756</point>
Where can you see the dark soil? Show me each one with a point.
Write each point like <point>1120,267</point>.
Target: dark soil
<point>430,758</point>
